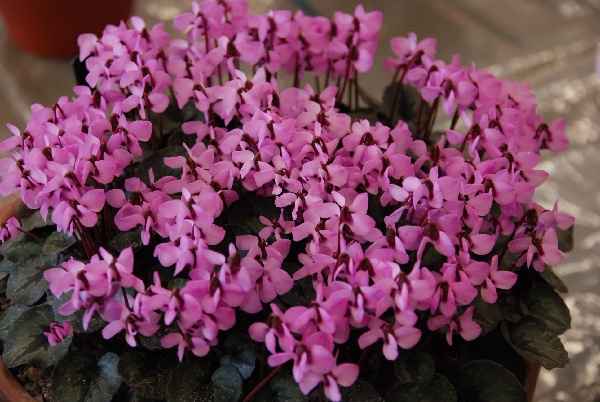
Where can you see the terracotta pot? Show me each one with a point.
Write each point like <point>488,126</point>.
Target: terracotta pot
<point>51,27</point>
<point>532,373</point>
<point>10,389</point>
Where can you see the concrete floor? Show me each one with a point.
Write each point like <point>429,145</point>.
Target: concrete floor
<point>550,43</point>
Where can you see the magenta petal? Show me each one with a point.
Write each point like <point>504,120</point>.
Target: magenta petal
<point>346,374</point>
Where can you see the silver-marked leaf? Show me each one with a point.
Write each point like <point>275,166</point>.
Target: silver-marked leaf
<point>544,303</point>
<point>487,315</point>
<point>553,280</point>
<point>26,343</point>
<point>57,242</point>
<point>72,376</point>
<point>418,367</point>
<point>19,247</point>
<point>9,318</point>
<point>286,389</point>
<point>533,339</point>
<point>26,283</point>
<point>34,221</point>
<point>132,238</point>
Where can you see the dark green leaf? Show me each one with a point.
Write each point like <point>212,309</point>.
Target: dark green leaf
<point>149,342</point>
<point>286,389</point>
<point>26,283</point>
<point>73,375</point>
<point>544,303</point>
<point>496,348</point>
<point>132,238</point>
<point>26,342</point>
<point>565,239</point>
<point>418,367</point>
<point>78,377</point>
<point>178,137</point>
<point>19,247</point>
<point>3,282</point>
<point>6,266</point>
<point>9,317</point>
<point>34,221</point>
<point>412,391</point>
<point>486,381</point>
<point>228,384</point>
<point>487,315</point>
<point>553,280</point>
<point>177,283</point>
<point>148,378</point>
<point>156,162</point>
<point>368,113</point>
<point>408,102</point>
<point>360,391</point>
<point>301,293</point>
<point>241,354</point>
<point>106,381</point>
<point>533,339</point>
<point>188,382</point>
<point>57,242</point>
<point>444,388</point>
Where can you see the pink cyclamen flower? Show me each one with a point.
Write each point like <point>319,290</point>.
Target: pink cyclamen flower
<point>58,332</point>
<point>9,229</point>
<point>464,325</point>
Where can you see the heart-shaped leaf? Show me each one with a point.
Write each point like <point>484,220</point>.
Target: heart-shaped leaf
<point>545,304</point>
<point>34,221</point>
<point>483,380</point>
<point>189,382</point>
<point>553,280</point>
<point>533,339</point>
<point>412,391</point>
<point>228,384</point>
<point>132,238</point>
<point>19,247</point>
<point>26,343</point>
<point>78,377</point>
<point>72,375</point>
<point>414,367</point>
<point>57,242</point>
<point>26,283</point>
<point>286,389</point>
<point>147,377</point>
<point>487,315</point>
<point>360,391</point>
<point>444,388</point>
<point>241,354</point>
<point>9,318</point>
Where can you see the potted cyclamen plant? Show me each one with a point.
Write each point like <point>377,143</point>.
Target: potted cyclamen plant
<point>203,233</point>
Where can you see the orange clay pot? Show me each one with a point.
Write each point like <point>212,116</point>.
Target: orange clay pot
<point>50,27</point>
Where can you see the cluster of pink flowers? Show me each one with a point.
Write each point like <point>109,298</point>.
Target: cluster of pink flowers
<point>325,172</point>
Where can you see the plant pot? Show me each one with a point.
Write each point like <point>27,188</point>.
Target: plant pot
<point>51,27</point>
<point>10,389</point>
